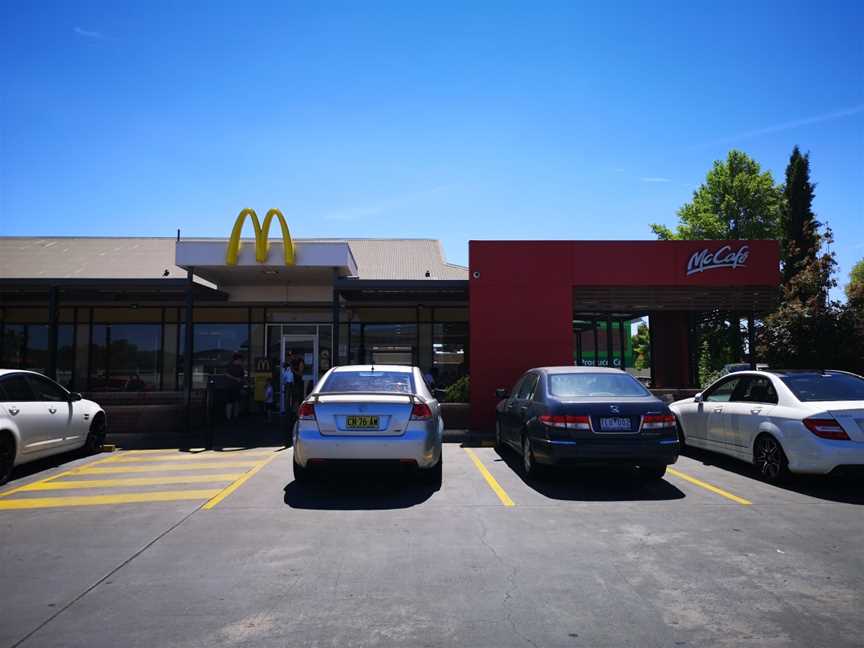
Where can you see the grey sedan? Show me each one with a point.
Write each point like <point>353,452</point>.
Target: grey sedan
<point>380,413</point>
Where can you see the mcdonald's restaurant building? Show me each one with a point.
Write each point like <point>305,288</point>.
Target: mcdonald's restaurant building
<point>108,316</point>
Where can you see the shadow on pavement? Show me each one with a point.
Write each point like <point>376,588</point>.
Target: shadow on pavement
<point>358,489</point>
<point>589,484</point>
<point>244,433</point>
<point>833,488</point>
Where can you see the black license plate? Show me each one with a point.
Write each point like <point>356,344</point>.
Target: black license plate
<point>362,423</point>
<point>615,424</point>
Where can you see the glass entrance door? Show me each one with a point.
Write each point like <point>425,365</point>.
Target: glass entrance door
<point>306,347</point>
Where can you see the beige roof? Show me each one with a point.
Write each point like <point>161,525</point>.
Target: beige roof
<point>138,258</point>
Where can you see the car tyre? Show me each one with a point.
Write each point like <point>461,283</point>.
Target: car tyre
<point>7,457</point>
<point>770,460</point>
<point>96,436</point>
<point>652,473</point>
<point>682,440</point>
<point>530,468</point>
<point>301,473</point>
<point>433,476</point>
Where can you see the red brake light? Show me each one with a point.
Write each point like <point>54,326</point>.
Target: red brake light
<point>306,412</point>
<point>421,412</point>
<point>826,428</point>
<point>657,421</point>
<point>566,422</point>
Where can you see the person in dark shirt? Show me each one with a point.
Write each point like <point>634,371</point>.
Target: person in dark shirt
<point>236,379</point>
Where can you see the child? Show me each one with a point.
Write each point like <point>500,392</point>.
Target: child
<point>269,405</point>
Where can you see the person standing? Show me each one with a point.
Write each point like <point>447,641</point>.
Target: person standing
<point>286,381</point>
<point>236,378</point>
<point>298,392</point>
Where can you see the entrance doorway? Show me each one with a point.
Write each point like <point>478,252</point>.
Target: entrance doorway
<point>305,346</point>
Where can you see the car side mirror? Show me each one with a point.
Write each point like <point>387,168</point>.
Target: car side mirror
<point>697,398</point>
<point>75,396</point>
<point>501,393</point>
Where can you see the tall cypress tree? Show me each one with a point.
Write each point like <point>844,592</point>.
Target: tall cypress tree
<point>800,229</point>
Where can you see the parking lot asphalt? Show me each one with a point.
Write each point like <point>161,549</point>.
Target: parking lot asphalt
<point>243,556</point>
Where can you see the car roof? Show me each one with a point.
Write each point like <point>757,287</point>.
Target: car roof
<point>393,368</point>
<point>571,369</point>
<point>4,372</point>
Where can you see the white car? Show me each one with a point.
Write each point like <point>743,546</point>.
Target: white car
<point>781,421</point>
<point>39,418</point>
<point>381,413</point>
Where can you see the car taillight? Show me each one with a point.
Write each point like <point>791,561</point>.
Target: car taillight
<point>566,422</point>
<point>826,428</point>
<point>421,412</point>
<point>657,421</point>
<point>306,412</point>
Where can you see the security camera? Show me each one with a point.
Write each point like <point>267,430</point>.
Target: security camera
<point>476,274</point>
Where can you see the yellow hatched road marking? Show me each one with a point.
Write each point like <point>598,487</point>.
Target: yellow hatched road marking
<point>710,487</point>
<point>493,483</point>
<point>237,484</point>
<point>71,484</point>
<point>96,500</point>
<point>192,458</point>
<point>71,471</point>
<point>113,470</point>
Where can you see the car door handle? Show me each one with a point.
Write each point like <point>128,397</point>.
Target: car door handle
<point>717,410</point>
<point>755,410</point>
<point>13,410</point>
<point>53,410</point>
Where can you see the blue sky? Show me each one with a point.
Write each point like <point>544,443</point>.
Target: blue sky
<point>455,121</point>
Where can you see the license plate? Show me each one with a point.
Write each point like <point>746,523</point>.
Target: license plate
<point>362,423</point>
<point>615,424</point>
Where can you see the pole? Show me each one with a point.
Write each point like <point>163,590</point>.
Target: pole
<point>751,339</point>
<point>53,326</point>
<point>187,351</point>
<point>623,342</point>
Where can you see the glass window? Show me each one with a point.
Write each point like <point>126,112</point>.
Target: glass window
<point>213,347</point>
<point>386,343</point>
<point>755,389</point>
<point>126,357</point>
<point>16,389</point>
<point>65,354</point>
<point>13,345</point>
<point>369,381</point>
<point>592,385</point>
<point>722,393</point>
<point>449,342</point>
<point>828,386</point>
<point>47,390</point>
<point>526,389</point>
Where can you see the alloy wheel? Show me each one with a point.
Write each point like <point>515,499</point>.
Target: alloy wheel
<point>769,458</point>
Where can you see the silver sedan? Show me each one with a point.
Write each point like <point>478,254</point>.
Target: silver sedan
<point>374,413</point>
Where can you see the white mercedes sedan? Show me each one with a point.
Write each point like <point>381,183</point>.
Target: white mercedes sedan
<point>781,421</point>
<point>380,413</point>
<point>39,418</point>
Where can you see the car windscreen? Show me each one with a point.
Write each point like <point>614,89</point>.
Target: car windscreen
<point>593,385</point>
<point>400,382</point>
<point>825,386</point>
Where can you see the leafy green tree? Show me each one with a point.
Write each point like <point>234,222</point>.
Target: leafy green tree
<point>737,201</point>
<point>855,287</point>
<point>800,229</point>
<point>642,347</point>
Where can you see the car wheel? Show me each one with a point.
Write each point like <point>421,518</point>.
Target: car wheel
<point>434,475</point>
<point>96,436</point>
<point>770,460</point>
<point>7,457</point>
<point>301,473</point>
<point>651,473</point>
<point>530,468</point>
<point>682,440</point>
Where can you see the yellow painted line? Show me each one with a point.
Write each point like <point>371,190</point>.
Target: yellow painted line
<point>113,470</point>
<point>72,484</point>
<point>493,483</point>
<point>99,500</point>
<point>192,458</point>
<point>710,487</point>
<point>71,471</point>
<point>237,484</point>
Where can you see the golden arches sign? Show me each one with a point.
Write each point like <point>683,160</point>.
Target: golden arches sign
<point>262,237</point>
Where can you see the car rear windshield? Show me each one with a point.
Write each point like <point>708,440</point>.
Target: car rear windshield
<point>591,385</point>
<point>825,387</point>
<point>369,381</point>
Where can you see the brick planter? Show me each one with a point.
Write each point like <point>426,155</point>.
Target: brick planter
<point>457,416</point>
